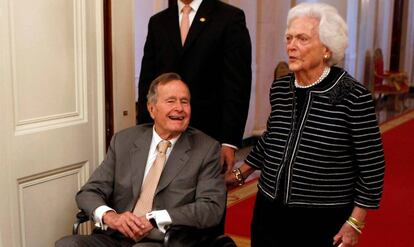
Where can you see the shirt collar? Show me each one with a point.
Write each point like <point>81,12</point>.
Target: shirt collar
<point>195,4</point>
<point>156,138</point>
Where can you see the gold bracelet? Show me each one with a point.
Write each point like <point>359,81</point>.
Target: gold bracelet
<point>238,175</point>
<point>356,228</point>
<point>356,222</point>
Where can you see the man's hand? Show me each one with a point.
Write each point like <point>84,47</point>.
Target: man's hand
<point>128,224</point>
<point>227,158</point>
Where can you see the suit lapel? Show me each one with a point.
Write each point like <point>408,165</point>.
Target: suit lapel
<point>139,156</point>
<point>201,19</point>
<point>173,27</point>
<point>176,161</point>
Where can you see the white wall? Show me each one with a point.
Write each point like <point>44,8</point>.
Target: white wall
<point>370,25</point>
<point>351,52</point>
<point>271,27</point>
<point>144,9</point>
<point>340,5</point>
<point>123,64</point>
<point>250,10</point>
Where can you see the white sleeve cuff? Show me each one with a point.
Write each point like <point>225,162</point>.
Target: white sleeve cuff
<point>229,145</point>
<point>98,214</point>
<point>161,217</point>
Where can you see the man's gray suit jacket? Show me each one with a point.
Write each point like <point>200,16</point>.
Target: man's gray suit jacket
<point>191,187</point>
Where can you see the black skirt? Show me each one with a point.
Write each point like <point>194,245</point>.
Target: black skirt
<point>277,225</point>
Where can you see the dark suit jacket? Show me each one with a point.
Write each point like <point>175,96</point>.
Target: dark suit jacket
<point>191,187</point>
<point>215,62</point>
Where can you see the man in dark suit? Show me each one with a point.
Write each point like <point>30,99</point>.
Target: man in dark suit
<point>190,192</point>
<point>214,60</point>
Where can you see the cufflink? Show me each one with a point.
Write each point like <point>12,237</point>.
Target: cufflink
<point>153,223</point>
<point>151,218</point>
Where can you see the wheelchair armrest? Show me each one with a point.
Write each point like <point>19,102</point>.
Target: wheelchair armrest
<point>81,217</point>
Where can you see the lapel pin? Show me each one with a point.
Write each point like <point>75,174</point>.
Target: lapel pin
<point>202,19</point>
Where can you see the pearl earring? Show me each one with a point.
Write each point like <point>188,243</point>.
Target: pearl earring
<point>326,56</point>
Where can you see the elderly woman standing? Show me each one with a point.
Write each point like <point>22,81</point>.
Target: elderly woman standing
<point>321,156</point>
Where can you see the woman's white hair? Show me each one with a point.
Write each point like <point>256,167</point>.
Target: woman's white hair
<point>333,31</point>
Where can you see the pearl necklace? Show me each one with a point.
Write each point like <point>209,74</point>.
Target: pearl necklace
<point>323,76</point>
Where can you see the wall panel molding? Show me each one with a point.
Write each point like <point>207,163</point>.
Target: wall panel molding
<point>35,108</point>
<point>33,187</point>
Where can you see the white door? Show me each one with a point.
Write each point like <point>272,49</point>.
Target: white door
<point>51,114</point>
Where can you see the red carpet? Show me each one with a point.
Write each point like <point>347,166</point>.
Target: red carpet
<point>390,226</point>
<point>393,224</point>
<point>239,216</point>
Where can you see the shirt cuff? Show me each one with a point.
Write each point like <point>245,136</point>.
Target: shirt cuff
<point>161,217</point>
<point>98,214</point>
<point>229,145</point>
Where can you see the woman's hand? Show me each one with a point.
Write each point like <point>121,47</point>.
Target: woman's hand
<point>236,177</point>
<point>348,235</point>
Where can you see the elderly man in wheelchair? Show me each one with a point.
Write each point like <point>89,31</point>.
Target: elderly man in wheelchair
<point>160,184</point>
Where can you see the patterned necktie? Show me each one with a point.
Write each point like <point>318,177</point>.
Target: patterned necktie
<point>185,22</point>
<point>144,203</point>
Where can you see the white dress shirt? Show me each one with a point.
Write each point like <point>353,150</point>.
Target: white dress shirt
<point>195,4</point>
